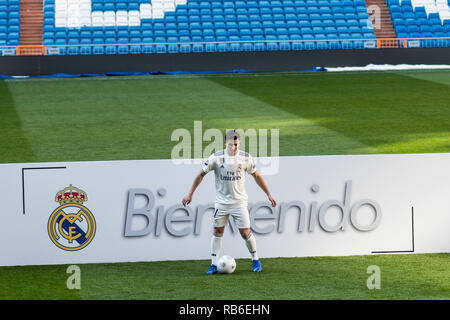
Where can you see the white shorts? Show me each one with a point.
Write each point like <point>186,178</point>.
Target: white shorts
<point>240,214</point>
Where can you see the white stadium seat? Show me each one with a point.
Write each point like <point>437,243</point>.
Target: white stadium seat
<point>85,13</point>
<point>134,21</point>
<point>145,6</point>
<point>60,22</point>
<point>158,13</point>
<point>145,11</point>
<point>85,6</point>
<point>169,6</point>
<point>77,13</point>
<point>109,18</point>
<point>85,21</point>
<point>158,6</point>
<point>121,20</point>
<point>432,6</point>
<point>73,22</point>
<point>97,19</point>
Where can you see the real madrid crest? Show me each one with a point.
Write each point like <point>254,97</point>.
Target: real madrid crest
<point>71,226</point>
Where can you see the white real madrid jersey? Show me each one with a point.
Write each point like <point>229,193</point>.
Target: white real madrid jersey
<point>230,177</point>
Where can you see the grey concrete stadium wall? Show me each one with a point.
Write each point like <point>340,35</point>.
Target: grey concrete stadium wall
<point>217,62</point>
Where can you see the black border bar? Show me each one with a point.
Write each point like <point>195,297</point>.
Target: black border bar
<point>23,180</point>
<point>412,240</point>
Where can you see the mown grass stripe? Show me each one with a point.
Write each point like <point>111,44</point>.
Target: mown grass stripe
<point>14,146</point>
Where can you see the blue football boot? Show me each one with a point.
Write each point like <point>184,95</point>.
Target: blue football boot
<point>212,269</point>
<point>256,266</point>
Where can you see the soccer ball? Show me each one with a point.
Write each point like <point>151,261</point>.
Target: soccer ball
<point>226,264</point>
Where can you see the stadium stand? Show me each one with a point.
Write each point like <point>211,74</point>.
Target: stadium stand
<point>428,21</point>
<point>132,26</point>
<point>9,23</point>
<point>74,27</point>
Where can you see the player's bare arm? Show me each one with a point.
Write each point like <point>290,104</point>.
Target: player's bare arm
<point>198,179</point>
<point>262,184</point>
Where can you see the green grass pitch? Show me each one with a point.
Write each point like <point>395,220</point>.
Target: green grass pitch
<point>121,118</point>
<point>417,276</point>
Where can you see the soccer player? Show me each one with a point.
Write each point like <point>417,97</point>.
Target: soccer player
<point>230,166</point>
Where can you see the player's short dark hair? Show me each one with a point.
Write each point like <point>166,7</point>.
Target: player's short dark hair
<point>232,135</point>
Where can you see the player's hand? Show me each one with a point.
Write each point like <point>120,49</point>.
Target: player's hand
<point>186,200</point>
<point>272,201</point>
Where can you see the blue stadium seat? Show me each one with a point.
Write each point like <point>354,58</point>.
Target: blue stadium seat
<point>85,46</point>
<point>249,25</point>
<point>272,43</point>
<point>417,22</point>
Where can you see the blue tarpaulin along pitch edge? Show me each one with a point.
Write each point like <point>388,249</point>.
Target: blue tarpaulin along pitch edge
<point>67,75</point>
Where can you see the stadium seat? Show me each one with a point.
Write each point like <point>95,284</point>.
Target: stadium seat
<point>427,15</point>
<point>124,25</point>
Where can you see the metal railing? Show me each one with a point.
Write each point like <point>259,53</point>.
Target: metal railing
<point>225,46</point>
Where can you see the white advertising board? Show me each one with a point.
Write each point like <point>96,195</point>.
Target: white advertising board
<point>131,210</point>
